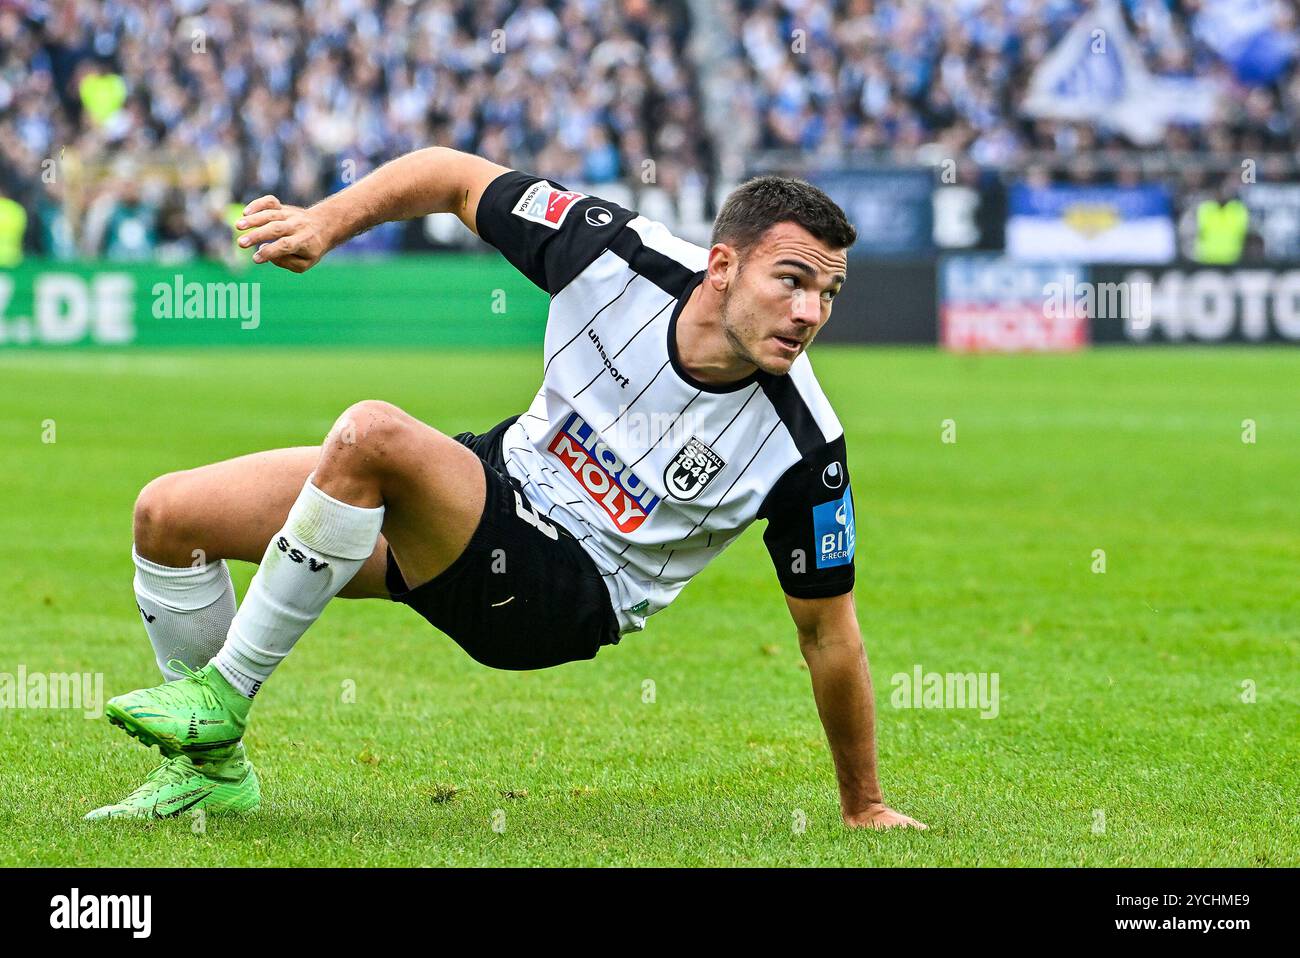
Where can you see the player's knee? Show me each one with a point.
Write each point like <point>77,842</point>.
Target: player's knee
<point>367,439</point>
<point>157,515</point>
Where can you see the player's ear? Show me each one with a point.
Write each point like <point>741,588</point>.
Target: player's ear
<point>724,262</point>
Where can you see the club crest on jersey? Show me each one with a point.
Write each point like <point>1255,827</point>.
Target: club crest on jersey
<point>691,470</point>
<point>543,203</point>
<point>601,473</point>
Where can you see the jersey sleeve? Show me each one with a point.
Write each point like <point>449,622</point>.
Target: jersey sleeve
<point>810,530</point>
<point>548,233</point>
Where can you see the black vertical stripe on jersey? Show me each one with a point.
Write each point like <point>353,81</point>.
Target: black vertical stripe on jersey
<point>706,515</point>
<point>736,416</point>
<point>662,270</point>
<point>546,470</point>
<point>585,325</point>
<point>635,398</point>
<point>616,571</point>
<point>784,396</point>
<point>588,386</point>
<point>623,347</point>
<point>654,445</point>
<point>640,331</point>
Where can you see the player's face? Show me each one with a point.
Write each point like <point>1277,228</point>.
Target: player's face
<point>781,297</point>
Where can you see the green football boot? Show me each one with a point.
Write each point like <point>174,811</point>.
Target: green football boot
<point>200,715</point>
<point>178,786</point>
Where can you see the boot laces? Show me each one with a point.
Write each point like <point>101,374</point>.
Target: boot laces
<point>178,693</point>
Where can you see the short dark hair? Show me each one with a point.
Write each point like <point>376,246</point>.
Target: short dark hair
<point>757,205</point>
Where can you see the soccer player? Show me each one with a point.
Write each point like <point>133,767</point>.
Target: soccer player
<point>677,406</point>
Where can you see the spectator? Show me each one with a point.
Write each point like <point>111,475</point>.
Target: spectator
<point>905,73</point>
<point>1222,226</point>
<point>125,225</point>
<point>13,225</point>
<point>581,91</point>
<point>569,89</point>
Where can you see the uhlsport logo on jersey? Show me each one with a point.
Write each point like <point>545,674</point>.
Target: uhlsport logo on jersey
<point>691,470</point>
<point>625,498</point>
<point>834,531</point>
<point>543,203</point>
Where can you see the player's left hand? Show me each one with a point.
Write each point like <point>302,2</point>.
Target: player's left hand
<point>880,816</point>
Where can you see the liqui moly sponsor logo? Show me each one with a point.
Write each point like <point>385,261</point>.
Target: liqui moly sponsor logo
<point>625,498</point>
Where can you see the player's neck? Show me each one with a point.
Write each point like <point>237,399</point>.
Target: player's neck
<point>702,346</point>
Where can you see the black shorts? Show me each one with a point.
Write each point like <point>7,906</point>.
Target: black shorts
<point>519,596</point>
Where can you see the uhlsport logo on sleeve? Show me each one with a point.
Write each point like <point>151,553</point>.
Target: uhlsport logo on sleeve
<point>834,531</point>
<point>543,203</point>
<point>601,473</point>
<point>691,470</point>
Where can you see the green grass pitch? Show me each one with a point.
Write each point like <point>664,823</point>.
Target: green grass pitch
<point>1125,735</point>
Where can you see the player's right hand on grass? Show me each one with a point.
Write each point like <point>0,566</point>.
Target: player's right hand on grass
<point>290,237</point>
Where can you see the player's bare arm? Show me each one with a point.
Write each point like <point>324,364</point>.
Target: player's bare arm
<point>831,643</point>
<point>432,180</point>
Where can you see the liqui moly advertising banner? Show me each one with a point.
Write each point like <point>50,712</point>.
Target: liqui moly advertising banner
<point>990,303</point>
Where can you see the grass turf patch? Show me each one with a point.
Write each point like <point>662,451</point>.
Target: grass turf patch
<point>1120,694</point>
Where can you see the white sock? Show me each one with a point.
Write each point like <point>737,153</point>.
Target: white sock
<point>186,611</point>
<point>322,546</point>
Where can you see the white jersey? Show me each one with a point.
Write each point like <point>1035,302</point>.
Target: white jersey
<point>652,471</point>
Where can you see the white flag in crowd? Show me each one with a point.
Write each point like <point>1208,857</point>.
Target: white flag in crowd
<point>1096,74</point>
